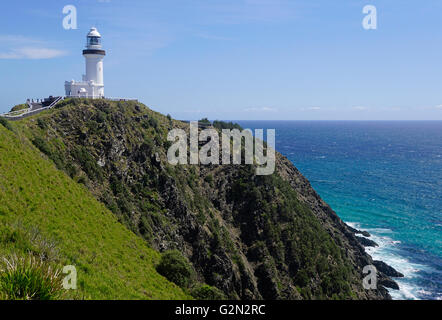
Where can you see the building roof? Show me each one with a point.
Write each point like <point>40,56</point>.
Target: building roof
<point>94,33</point>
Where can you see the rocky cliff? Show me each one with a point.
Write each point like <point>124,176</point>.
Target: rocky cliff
<point>253,237</point>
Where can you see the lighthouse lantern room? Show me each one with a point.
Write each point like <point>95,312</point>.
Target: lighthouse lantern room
<point>92,85</point>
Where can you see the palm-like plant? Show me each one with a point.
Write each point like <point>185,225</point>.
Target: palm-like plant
<point>29,278</point>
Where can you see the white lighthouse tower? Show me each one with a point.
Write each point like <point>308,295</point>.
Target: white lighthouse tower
<point>92,85</point>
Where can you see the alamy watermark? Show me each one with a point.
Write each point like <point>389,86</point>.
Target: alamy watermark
<point>70,280</point>
<point>230,144</point>
<point>70,20</point>
<point>370,21</point>
<point>370,281</point>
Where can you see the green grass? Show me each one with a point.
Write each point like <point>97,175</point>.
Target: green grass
<point>30,278</point>
<point>20,107</point>
<point>44,213</point>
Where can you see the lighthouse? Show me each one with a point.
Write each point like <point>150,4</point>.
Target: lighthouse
<point>92,85</point>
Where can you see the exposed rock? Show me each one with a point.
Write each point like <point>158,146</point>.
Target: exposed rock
<point>367,242</point>
<point>356,231</point>
<point>388,283</point>
<point>364,233</point>
<point>387,270</point>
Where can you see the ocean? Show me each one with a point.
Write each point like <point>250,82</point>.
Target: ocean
<point>381,176</point>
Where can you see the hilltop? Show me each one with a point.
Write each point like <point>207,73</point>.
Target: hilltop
<point>252,237</point>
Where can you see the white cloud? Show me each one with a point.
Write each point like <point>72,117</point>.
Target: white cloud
<point>439,106</point>
<point>17,40</point>
<point>32,53</point>
<point>314,108</point>
<point>21,47</point>
<point>360,108</point>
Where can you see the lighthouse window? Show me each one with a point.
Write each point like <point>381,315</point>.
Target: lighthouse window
<point>94,41</point>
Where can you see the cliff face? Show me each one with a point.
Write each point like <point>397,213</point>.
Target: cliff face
<point>251,236</point>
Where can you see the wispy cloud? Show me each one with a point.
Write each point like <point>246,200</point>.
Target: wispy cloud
<point>17,40</point>
<point>32,53</point>
<point>21,47</point>
<point>314,108</point>
<point>360,108</point>
<point>439,107</point>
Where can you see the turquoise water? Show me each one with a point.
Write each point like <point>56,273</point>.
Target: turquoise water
<point>384,177</point>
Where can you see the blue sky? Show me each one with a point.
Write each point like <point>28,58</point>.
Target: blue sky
<point>235,59</point>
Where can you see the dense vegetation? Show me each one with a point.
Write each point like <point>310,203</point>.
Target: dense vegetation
<point>20,107</point>
<point>47,219</point>
<point>225,232</point>
<point>220,124</point>
<point>286,239</point>
<point>175,267</point>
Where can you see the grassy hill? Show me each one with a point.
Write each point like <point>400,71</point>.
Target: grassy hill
<point>88,184</point>
<point>45,213</point>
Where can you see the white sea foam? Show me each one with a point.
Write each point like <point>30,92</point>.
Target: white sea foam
<point>405,292</point>
<point>387,252</point>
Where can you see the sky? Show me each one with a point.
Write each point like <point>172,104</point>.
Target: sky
<point>235,59</point>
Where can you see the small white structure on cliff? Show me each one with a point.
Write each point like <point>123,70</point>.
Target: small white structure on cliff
<point>92,85</point>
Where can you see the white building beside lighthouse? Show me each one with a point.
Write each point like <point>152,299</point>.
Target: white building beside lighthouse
<point>92,85</point>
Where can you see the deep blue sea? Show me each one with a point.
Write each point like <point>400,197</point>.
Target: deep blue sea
<point>383,177</point>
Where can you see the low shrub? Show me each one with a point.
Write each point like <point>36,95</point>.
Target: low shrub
<point>29,279</point>
<point>205,121</point>
<point>5,123</point>
<point>206,292</point>
<point>42,145</point>
<point>18,237</point>
<point>20,107</point>
<point>209,179</point>
<point>42,123</point>
<point>88,163</point>
<point>176,268</point>
<point>226,125</point>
